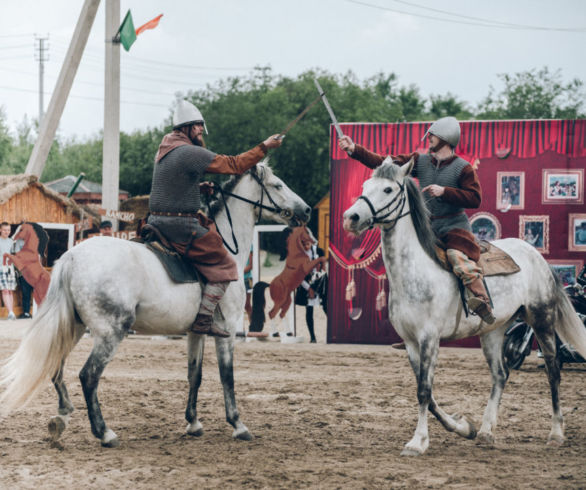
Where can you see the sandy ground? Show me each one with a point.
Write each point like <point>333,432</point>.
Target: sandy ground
<point>323,416</point>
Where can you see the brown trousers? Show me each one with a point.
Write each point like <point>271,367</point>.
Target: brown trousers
<point>208,255</point>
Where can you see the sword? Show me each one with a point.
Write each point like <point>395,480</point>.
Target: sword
<point>282,134</point>
<point>322,94</point>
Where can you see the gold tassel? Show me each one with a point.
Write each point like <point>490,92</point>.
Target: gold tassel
<point>351,286</point>
<point>381,297</point>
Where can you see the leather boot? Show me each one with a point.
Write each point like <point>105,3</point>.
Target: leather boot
<point>478,301</point>
<point>204,324</point>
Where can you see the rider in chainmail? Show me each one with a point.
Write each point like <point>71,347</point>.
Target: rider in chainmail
<point>180,164</point>
<point>451,185</point>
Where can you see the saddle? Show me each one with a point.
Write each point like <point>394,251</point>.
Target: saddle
<point>179,270</point>
<point>493,260</point>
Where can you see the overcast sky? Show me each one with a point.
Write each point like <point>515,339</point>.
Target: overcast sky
<point>200,41</point>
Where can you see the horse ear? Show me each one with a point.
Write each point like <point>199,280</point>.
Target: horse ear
<point>408,167</point>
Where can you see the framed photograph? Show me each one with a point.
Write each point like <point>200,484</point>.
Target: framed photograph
<point>485,226</point>
<point>562,186</point>
<point>535,230</point>
<point>567,270</point>
<point>577,233</point>
<point>510,190</point>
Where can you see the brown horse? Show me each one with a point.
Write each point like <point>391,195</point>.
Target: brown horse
<point>297,266</point>
<point>28,260</point>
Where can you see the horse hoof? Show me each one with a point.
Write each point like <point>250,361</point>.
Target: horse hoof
<point>195,429</point>
<point>56,427</point>
<point>555,441</point>
<point>466,428</point>
<point>110,439</point>
<point>243,434</point>
<point>485,439</point>
<point>408,451</point>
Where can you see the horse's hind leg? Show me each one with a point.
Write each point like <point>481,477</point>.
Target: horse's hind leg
<point>102,353</point>
<point>492,346</point>
<point>225,355</point>
<point>195,346</point>
<point>59,423</point>
<point>542,322</point>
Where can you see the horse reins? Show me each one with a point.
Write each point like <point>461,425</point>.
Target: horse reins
<point>275,208</point>
<point>400,205</point>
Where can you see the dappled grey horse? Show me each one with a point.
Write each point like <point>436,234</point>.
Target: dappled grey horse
<point>424,301</point>
<point>111,286</point>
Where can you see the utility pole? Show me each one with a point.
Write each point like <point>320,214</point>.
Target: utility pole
<point>48,126</point>
<point>41,55</point>
<point>111,142</point>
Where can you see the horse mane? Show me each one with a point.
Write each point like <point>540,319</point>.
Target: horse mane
<point>419,212</point>
<point>43,237</point>
<point>228,186</point>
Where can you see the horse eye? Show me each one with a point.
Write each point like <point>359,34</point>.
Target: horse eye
<point>388,190</point>
<point>278,186</point>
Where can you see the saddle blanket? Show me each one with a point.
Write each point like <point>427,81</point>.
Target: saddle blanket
<point>493,260</point>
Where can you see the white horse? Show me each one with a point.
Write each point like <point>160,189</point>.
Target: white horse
<point>111,286</point>
<point>424,301</point>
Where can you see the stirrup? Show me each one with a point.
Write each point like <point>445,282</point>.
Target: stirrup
<point>479,307</point>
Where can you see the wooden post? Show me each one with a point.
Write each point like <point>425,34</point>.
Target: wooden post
<point>111,143</point>
<point>49,124</point>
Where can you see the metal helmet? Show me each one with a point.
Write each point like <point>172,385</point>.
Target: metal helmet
<point>446,129</point>
<point>186,113</point>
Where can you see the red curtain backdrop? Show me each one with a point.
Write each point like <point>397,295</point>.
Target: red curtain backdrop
<point>495,146</point>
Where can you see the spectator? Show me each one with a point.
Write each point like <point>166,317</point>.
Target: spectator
<point>7,274</point>
<point>25,288</point>
<point>248,286</point>
<point>106,228</point>
<point>308,293</point>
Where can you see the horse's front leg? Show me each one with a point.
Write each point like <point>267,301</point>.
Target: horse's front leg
<point>195,347</point>
<point>492,346</point>
<point>423,358</point>
<point>225,354</point>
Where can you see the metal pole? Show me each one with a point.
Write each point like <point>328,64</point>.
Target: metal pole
<point>75,185</point>
<point>111,143</point>
<point>42,50</point>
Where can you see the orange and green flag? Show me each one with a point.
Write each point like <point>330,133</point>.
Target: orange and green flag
<point>126,34</point>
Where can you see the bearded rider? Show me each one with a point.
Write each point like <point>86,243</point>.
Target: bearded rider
<point>451,185</point>
<point>180,164</point>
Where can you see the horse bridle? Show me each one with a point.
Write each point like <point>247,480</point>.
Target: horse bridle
<point>275,208</point>
<point>399,199</point>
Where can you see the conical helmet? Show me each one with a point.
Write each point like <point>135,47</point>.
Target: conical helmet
<point>186,113</point>
<point>447,129</point>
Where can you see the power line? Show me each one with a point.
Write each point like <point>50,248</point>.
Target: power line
<point>85,97</point>
<point>484,23</point>
<point>523,26</point>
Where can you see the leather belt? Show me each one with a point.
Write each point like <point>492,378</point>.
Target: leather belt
<point>181,215</point>
<point>443,216</point>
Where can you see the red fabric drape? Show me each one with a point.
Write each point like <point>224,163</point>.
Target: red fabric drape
<point>527,146</point>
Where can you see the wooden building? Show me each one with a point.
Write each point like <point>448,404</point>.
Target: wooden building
<point>87,192</point>
<point>24,198</point>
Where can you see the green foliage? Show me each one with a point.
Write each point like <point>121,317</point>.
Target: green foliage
<point>241,112</point>
<point>534,94</point>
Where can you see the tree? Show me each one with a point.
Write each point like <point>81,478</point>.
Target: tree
<point>5,142</point>
<point>534,94</point>
<point>448,105</point>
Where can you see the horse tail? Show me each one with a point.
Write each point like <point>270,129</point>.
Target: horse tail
<point>568,325</point>
<point>48,341</point>
<point>257,319</point>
